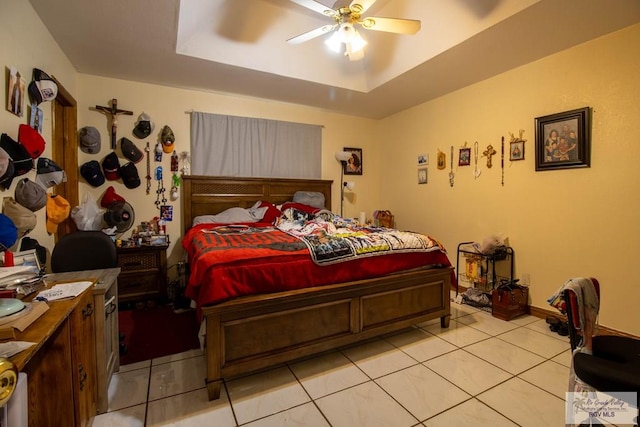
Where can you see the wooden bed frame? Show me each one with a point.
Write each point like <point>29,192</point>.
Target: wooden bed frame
<point>251,333</point>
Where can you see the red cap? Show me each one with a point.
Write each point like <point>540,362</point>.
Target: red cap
<point>31,140</point>
<point>109,197</point>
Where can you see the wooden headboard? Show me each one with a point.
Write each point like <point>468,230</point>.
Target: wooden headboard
<point>208,195</point>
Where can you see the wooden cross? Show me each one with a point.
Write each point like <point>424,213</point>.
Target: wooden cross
<point>488,153</point>
<point>113,115</point>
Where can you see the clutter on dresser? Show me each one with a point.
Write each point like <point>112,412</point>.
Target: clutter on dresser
<point>148,233</point>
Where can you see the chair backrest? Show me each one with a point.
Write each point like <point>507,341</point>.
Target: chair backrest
<point>573,315</point>
<point>83,250</point>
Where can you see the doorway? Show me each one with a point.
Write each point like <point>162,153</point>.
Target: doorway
<point>64,146</point>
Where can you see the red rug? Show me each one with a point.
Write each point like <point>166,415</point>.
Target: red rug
<point>156,332</point>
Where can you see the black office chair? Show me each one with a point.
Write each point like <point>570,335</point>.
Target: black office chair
<point>83,250</point>
<point>614,365</point>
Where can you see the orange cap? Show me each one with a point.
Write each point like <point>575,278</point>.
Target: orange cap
<point>58,209</point>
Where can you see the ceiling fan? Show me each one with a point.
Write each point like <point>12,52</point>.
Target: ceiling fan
<point>344,31</point>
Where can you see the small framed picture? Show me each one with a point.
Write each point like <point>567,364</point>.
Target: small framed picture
<point>516,150</point>
<point>353,166</point>
<point>423,160</point>
<point>16,86</point>
<point>464,159</point>
<point>563,140</point>
<point>422,175</point>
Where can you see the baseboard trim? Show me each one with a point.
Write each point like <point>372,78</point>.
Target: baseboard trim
<point>543,313</point>
<point>602,330</point>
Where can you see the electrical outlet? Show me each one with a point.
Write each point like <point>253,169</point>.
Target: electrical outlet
<point>526,279</point>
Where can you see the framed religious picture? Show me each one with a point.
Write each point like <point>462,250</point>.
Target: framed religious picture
<point>516,150</point>
<point>423,159</point>
<point>353,165</point>
<point>464,158</point>
<point>563,140</point>
<point>15,92</point>
<point>422,175</point>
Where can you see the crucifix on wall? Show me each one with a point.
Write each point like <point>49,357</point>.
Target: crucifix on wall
<point>488,153</point>
<point>113,112</point>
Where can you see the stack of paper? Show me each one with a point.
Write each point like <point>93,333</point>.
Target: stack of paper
<point>13,276</point>
<point>64,290</point>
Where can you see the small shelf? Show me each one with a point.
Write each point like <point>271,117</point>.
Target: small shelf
<point>482,271</point>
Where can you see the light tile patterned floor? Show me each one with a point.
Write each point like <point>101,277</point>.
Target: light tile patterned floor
<point>481,371</point>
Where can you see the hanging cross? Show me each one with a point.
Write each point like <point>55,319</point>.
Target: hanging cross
<point>113,115</point>
<point>488,153</point>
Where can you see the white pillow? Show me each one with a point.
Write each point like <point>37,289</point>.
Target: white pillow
<point>309,198</point>
<point>232,215</point>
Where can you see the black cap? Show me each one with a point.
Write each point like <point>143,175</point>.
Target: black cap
<point>130,151</point>
<point>111,166</point>
<point>92,173</point>
<point>129,174</point>
<point>22,161</point>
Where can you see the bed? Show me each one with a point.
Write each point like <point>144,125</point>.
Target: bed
<point>253,332</point>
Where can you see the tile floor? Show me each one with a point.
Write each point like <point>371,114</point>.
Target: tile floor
<point>481,371</point>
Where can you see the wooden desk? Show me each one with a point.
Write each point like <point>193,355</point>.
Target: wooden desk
<point>105,297</point>
<point>61,367</point>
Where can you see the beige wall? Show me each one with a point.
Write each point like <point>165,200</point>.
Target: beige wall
<point>170,106</point>
<point>562,223</point>
<point>26,44</point>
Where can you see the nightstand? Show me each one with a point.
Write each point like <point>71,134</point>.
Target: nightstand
<point>143,273</point>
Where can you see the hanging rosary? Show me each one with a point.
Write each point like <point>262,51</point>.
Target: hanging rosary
<point>502,161</point>
<point>161,190</point>
<point>148,151</point>
<point>451,175</point>
<point>476,171</point>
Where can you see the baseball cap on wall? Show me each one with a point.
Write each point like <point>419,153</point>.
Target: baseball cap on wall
<point>110,196</point>
<point>130,151</point>
<point>30,195</point>
<point>32,140</point>
<point>111,166</point>
<point>8,232</point>
<point>22,161</point>
<point>92,173</point>
<point>49,174</point>
<point>23,218</point>
<point>58,209</point>
<point>6,167</point>
<point>42,88</point>
<point>89,140</point>
<point>144,126</point>
<point>129,174</point>
<point>167,139</point>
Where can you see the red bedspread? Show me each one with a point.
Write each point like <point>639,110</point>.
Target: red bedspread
<point>232,261</point>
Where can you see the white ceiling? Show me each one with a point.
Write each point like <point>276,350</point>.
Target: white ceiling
<point>239,46</point>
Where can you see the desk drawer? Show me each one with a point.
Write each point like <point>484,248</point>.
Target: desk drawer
<point>138,261</point>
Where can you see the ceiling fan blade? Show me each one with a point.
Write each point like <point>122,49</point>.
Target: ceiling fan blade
<point>316,7</point>
<point>311,34</point>
<point>391,25</point>
<point>361,6</point>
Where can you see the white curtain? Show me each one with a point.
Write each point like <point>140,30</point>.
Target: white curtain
<point>243,146</point>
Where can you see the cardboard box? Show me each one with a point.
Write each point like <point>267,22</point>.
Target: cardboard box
<point>509,302</point>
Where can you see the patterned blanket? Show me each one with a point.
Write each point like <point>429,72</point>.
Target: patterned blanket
<point>332,239</point>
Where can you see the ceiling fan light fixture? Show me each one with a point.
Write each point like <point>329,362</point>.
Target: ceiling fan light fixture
<point>334,42</point>
<point>358,43</point>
